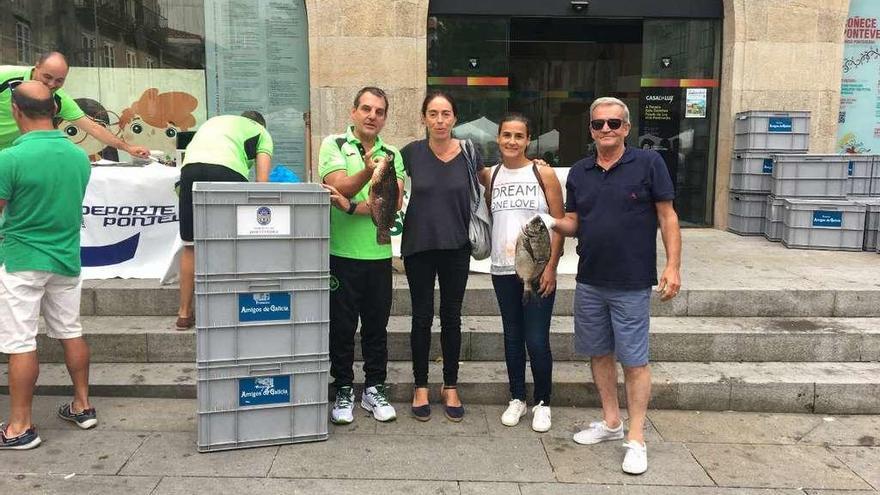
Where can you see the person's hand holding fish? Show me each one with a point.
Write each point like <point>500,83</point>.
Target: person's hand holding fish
<point>531,258</point>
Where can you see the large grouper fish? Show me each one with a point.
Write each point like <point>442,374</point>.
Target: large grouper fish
<point>532,255</point>
<point>384,195</point>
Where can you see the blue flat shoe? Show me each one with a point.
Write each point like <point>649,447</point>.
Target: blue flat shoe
<point>452,413</point>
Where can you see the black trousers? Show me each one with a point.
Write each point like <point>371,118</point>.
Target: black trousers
<point>359,289</point>
<point>450,267</point>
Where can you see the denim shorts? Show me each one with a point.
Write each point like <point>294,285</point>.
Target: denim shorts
<point>612,320</point>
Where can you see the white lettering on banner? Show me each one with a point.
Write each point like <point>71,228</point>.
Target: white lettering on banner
<point>263,393</point>
<point>268,309</point>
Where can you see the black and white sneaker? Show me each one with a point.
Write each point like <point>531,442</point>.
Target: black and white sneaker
<point>27,440</point>
<point>85,419</point>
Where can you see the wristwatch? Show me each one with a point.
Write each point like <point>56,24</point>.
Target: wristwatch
<point>351,207</point>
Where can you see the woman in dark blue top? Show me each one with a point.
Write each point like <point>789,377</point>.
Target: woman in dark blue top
<point>435,246</point>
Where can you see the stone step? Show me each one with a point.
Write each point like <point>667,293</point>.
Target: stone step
<point>827,388</point>
<point>154,339</point>
<point>118,297</point>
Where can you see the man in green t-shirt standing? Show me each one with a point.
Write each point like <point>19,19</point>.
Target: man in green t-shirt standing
<point>224,149</point>
<point>51,70</point>
<point>360,268</point>
<point>40,260</point>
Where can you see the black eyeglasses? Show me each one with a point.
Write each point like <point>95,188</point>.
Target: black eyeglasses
<point>599,124</point>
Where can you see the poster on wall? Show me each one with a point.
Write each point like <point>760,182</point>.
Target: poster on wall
<point>660,124</point>
<point>695,103</point>
<point>859,118</point>
<point>257,59</point>
<point>145,107</point>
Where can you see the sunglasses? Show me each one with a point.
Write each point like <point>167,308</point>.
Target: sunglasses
<point>599,124</point>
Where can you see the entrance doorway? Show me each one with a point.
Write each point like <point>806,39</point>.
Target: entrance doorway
<point>552,68</point>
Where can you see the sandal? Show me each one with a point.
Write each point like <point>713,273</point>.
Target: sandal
<point>452,413</point>
<point>423,412</point>
<point>185,323</point>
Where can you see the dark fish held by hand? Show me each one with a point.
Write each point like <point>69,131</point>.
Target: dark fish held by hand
<point>532,256</point>
<point>383,197</point>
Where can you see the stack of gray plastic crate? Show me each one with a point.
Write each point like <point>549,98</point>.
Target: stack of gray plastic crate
<point>864,188</point>
<point>815,212</point>
<point>758,136</point>
<point>262,313</point>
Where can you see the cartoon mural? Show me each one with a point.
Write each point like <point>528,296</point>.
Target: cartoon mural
<point>95,149</point>
<point>155,119</point>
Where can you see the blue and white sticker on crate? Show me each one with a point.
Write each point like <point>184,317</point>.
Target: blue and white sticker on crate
<point>261,390</point>
<point>263,220</point>
<point>263,306</point>
<point>779,124</point>
<point>828,219</point>
<point>767,168</point>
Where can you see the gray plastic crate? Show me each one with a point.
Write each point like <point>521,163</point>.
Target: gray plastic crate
<point>772,131</point>
<point>818,224</point>
<point>810,176</point>
<point>243,227</point>
<point>774,219</point>
<point>751,172</point>
<point>255,406</point>
<point>872,223</point>
<point>747,213</point>
<point>863,172</point>
<point>251,320</point>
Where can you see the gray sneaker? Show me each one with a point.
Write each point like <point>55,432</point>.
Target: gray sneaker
<point>343,408</point>
<point>598,432</point>
<point>375,400</point>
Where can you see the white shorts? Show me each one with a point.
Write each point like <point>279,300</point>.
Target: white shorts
<point>23,295</point>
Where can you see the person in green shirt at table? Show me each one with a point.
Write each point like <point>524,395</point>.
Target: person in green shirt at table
<point>51,70</point>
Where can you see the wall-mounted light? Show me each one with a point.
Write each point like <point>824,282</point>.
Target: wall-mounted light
<point>579,5</point>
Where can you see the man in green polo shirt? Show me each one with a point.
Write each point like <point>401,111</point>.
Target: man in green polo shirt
<point>43,178</point>
<point>224,149</point>
<point>360,268</point>
<point>51,70</point>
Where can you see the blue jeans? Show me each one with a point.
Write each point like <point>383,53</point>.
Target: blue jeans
<point>525,327</point>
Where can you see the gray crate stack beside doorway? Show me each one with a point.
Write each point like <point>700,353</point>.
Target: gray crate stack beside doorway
<point>262,313</point>
<point>758,136</point>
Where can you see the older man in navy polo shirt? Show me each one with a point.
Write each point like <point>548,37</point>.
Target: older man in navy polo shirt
<point>615,201</point>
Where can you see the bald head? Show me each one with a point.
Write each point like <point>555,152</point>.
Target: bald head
<point>51,70</point>
<point>34,101</point>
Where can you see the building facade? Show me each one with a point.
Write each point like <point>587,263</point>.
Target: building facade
<point>684,67</point>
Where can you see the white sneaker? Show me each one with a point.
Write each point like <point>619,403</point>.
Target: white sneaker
<point>515,410</point>
<point>598,432</point>
<point>636,459</point>
<point>375,400</point>
<point>343,408</point>
<point>541,418</point>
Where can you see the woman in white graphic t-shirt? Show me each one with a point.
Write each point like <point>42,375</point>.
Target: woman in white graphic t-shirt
<point>520,189</point>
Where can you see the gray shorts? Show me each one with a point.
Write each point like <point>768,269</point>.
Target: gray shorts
<point>612,320</point>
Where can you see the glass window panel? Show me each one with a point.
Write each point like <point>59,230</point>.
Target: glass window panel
<point>141,66</point>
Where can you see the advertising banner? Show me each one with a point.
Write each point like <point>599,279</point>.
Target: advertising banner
<point>859,119</point>
<point>130,222</point>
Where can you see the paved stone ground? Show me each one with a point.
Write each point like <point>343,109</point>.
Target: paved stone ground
<point>145,446</point>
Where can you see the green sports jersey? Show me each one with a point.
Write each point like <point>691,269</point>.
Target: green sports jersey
<point>43,178</point>
<point>229,140</point>
<point>9,75</point>
<point>353,236</point>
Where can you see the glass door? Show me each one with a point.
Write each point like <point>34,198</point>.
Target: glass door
<point>552,68</point>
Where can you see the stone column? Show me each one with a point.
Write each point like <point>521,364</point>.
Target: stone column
<point>357,43</point>
<point>779,55</point>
